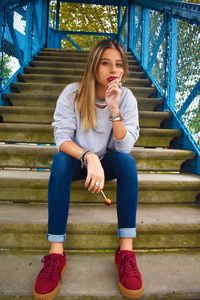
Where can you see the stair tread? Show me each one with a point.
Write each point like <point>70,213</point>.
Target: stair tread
<point>44,127</point>
<point>43,134</point>
<point>61,86</point>
<point>100,218</point>
<point>73,53</point>
<point>72,58</point>
<point>177,181</point>
<point>71,64</point>
<point>78,77</point>
<point>93,276</point>
<point>30,69</point>
<point>137,152</point>
<point>47,95</point>
<point>32,110</point>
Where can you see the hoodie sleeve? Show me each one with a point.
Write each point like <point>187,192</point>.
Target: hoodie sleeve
<point>64,116</point>
<point>129,110</point>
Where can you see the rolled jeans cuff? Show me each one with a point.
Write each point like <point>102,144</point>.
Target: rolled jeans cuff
<point>127,232</point>
<point>56,238</point>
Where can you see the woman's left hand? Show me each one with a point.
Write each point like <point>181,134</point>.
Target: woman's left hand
<point>113,95</point>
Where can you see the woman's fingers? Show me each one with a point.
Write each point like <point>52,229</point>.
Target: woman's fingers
<point>114,86</point>
<point>95,174</point>
<point>94,184</point>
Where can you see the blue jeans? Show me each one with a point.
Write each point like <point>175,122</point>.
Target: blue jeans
<point>66,169</point>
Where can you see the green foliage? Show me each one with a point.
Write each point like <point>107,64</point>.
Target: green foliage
<point>84,17</point>
<point>188,68</point>
<point>6,70</point>
<point>52,19</point>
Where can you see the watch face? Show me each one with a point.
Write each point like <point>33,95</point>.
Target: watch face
<point>118,117</point>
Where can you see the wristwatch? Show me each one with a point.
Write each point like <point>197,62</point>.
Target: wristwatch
<point>116,118</point>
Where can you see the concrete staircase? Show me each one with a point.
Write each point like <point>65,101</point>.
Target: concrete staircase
<point>168,220</point>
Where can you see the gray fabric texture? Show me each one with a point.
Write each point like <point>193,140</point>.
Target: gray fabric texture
<point>68,125</point>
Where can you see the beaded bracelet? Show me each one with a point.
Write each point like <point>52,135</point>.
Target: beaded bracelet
<point>82,158</point>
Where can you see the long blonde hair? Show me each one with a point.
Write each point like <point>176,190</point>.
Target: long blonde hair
<point>86,97</point>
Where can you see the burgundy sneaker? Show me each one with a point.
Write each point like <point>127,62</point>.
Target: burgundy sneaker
<point>130,278</point>
<point>48,281</point>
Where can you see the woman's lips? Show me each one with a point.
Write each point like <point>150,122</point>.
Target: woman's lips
<point>111,78</point>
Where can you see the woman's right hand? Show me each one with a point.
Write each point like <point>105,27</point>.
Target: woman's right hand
<point>95,174</point>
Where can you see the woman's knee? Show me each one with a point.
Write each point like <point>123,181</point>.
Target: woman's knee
<point>126,165</point>
<point>125,159</point>
<point>62,161</point>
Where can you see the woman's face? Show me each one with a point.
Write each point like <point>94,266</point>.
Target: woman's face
<point>110,67</point>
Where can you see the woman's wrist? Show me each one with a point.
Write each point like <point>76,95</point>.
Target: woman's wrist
<point>89,154</point>
<point>114,110</point>
<point>83,157</point>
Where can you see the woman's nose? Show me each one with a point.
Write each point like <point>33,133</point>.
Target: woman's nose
<point>113,69</point>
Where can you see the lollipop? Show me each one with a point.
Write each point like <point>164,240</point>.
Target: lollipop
<point>107,201</point>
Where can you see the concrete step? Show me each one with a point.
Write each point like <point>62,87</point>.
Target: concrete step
<point>45,52</point>
<point>43,115</point>
<point>66,58</point>
<point>49,100</point>
<point>92,276</point>
<point>152,119</point>
<point>57,88</point>
<point>29,115</point>
<point>72,52</point>
<point>67,71</point>
<point>31,186</point>
<point>34,133</point>
<point>23,226</point>
<point>62,52</point>
<point>45,78</point>
<point>74,65</point>
<point>27,156</point>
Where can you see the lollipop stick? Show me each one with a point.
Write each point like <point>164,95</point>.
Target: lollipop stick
<point>107,201</point>
<point>104,195</point>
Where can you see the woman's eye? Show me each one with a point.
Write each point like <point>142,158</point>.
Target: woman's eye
<point>119,65</point>
<point>104,62</point>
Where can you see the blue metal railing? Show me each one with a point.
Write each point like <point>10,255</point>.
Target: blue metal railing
<point>23,27</point>
<point>56,37</point>
<point>165,38</point>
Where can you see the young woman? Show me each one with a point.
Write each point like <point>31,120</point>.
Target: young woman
<point>95,127</point>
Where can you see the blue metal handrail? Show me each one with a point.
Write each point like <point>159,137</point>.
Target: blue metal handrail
<point>163,32</point>
<point>23,27</point>
<point>56,36</point>
<point>122,35</point>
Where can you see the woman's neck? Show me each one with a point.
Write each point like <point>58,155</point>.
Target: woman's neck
<point>100,92</point>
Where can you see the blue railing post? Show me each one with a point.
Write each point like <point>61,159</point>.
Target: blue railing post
<point>48,25</point>
<point>58,15</point>
<point>28,35</point>
<point>45,21</point>
<point>37,11</point>
<point>119,18</point>
<point>172,27</point>
<point>145,36</point>
<point>2,26</point>
<point>131,25</point>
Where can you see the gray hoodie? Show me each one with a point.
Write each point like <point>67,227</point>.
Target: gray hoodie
<point>68,125</point>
